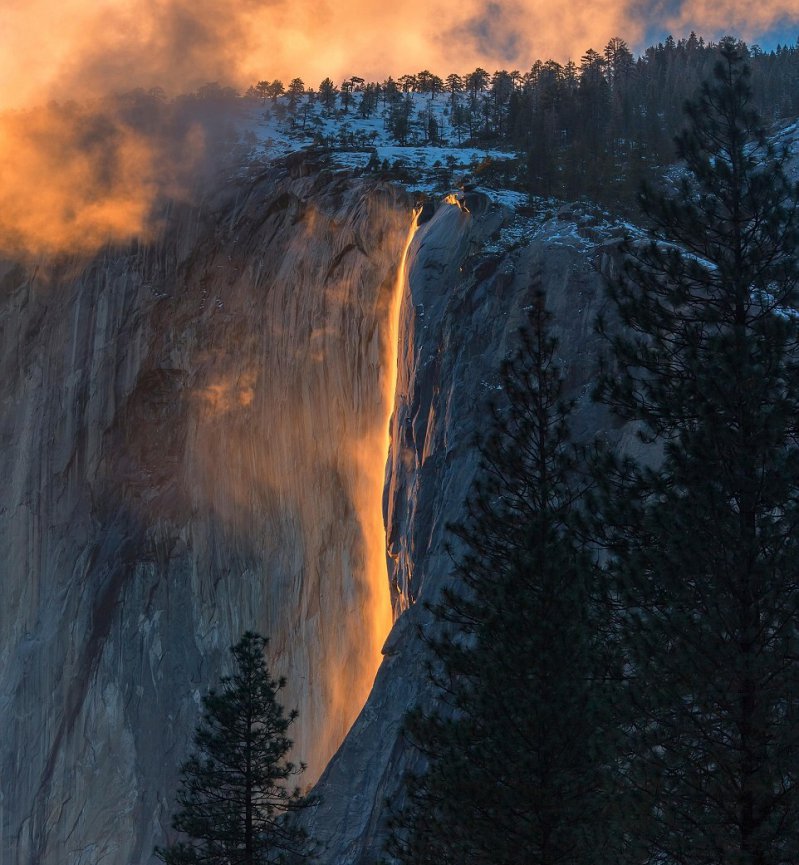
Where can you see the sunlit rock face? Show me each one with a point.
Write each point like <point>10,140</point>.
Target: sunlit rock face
<point>471,272</point>
<point>193,444</point>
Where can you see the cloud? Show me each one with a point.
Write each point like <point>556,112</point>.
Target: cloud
<point>493,30</point>
<point>739,17</point>
<point>80,168</point>
<point>75,176</point>
<point>82,48</point>
<point>374,40</point>
<point>87,175</point>
<point>70,178</point>
<point>75,49</point>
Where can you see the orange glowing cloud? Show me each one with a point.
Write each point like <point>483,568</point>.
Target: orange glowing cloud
<point>79,169</point>
<point>373,40</point>
<point>75,49</point>
<point>76,176</point>
<point>62,185</point>
<point>80,48</point>
<point>71,178</point>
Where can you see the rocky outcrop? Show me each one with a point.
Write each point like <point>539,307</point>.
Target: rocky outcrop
<point>194,436</point>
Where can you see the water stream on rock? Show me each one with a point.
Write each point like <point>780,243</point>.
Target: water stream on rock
<point>373,463</point>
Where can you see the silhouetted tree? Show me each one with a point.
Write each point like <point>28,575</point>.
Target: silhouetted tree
<point>296,90</point>
<point>399,118</point>
<point>276,89</point>
<point>704,538</point>
<point>518,750</point>
<point>327,94</point>
<point>234,807</point>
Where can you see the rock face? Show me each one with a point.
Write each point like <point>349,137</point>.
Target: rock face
<point>194,436</point>
<point>472,271</point>
<point>194,443</point>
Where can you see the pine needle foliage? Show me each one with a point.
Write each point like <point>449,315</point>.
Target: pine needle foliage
<point>516,749</point>
<point>233,799</point>
<point>703,536</point>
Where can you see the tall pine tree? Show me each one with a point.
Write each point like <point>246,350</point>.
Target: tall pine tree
<point>233,797</point>
<point>516,751</point>
<point>704,541</point>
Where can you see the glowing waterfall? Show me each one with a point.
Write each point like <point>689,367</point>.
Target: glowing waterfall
<point>374,465</point>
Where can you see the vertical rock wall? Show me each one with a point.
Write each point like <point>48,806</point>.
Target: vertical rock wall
<point>187,429</point>
<point>192,436</point>
<point>472,272</point>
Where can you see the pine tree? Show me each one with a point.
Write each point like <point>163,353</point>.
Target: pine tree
<point>517,749</point>
<point>704,536</point>
<point>262,89</point>
<point>295,91</point>
<point>276,89</point>
<point>327,94</point>
<point>233,799</point>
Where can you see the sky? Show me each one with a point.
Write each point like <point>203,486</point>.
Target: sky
<point>74,176</point>
<point>58,49</point>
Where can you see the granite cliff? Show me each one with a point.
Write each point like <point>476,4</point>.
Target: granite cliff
<point>471,275</point>
<point>194,443</point>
